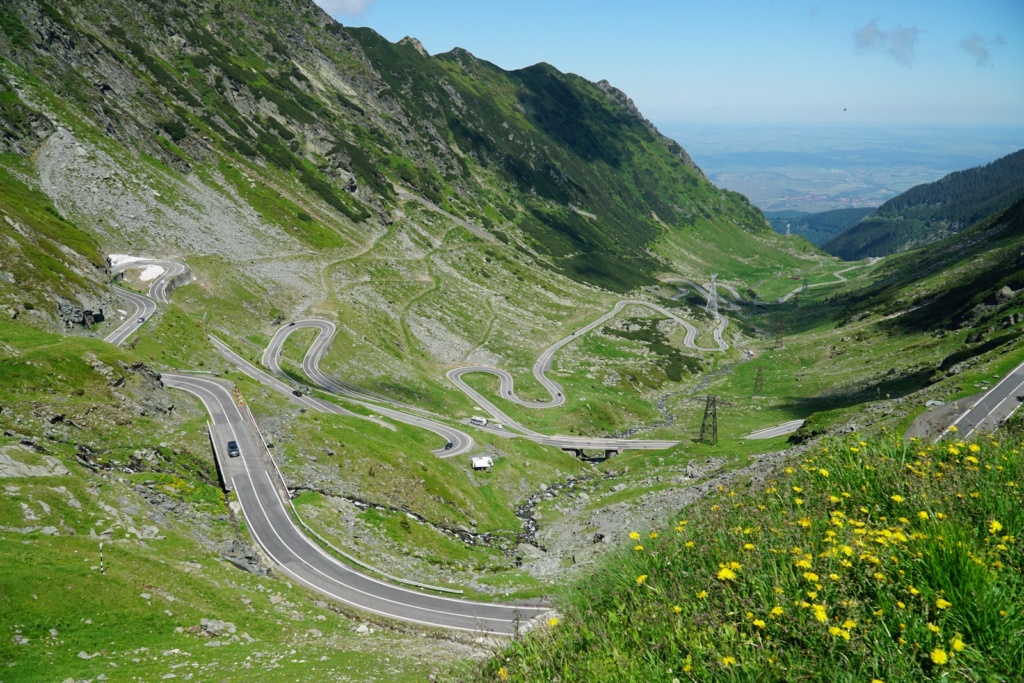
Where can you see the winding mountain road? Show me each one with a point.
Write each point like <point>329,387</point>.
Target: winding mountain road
<point>305,562</point>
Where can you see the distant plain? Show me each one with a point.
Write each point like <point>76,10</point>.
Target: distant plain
<point>818,168</point>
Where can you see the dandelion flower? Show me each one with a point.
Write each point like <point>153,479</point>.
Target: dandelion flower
<point>841,633</point>
<point>957,643</point>
<point>850,623</point>
<point>653,534</point>
<point>553,621</point>
<point>690,544</point>
<point>854,449</point>
<point>823,472</point>
<point>834,499</point>
<point>503,674</point>
<point>913,591</point>
<point>901,604</point>
<point>952,429</point>
<point>702,594</point>
<point>726,574</point>
<point>677,609</point>
<point>798,501</point>
<point>728,661</point>
<point>804,522</point>
<point>897,498</point>
<point>922,515</point>
<point>942,603</point>
<point>759,623</point>
<point>994,527</point>
<point>777,611</point>
<point>933,628</point>
<point>834,576</point>
<point>820,613</point>
<point>811,576</point>
<point>634,535</point>
<point>640,579</point>
<point>939,656</point>
<point>974,448</point>
<point>638,547</point>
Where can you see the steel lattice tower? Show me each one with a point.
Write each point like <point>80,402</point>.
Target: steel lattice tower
<point>759,382</point>
<point>709,427</point>
<point>712,306</point>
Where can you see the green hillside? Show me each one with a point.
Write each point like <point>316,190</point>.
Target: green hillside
<point>928,213</point>
<point>818,228</point>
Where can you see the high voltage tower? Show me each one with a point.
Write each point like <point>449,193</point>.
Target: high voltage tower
<point>709,427</point>
<point>759,382</point>
<point>778,337</point>
<point>712,306</point>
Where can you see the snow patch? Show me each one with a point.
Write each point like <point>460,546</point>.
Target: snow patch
<point>151,273</point>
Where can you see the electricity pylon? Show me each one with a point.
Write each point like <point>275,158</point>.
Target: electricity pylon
<point>709,427</point>
<point>759,382</point>
<point>712,306</point>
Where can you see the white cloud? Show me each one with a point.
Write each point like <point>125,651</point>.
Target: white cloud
<point>898,43</point>
<point>347,8</point>
<point>978,47</point>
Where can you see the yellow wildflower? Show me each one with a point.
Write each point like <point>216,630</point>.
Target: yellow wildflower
<point>913,591</point>
<point>702,594</point>
<point>728,661</point>
<point>834,576</point>
<point>759,623</point>
<point>811,576</point>
<point>974,448</point>
<point>553,621</point>
<point>942,603</point>
<point>777,611</point>
<point>938,655</point>
<point>677,609</point>
<point>820,613</point>
<point>503,674</point>
<point>653,534</point>
<point>842,633</point>
<point>726,574</point>
<point>994,527</point>
<point>957,643</point>
<point>849,623</point>
<point>834,499</point>
<point>798,501</point>
<point>634,535</point>
<point>823,472</point>
<point>640,579</point>
<point>854,449</point>
<point>638,547</point>
<point>897,498</point>
<point>933,628</point>
<point>922,515</point>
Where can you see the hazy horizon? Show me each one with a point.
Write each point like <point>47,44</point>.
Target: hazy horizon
<point>821,167</point>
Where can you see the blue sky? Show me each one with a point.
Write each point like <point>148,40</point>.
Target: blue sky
<point>924,62</point>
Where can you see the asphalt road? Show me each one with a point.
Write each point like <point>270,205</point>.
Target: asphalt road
<point>257,487</point>
<point>461,441</point>
<point>996,405</point>
<point>778,430</point>
<point>157,288</point>
<point>144,308</point>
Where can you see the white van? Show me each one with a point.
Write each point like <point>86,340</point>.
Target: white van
<point>478,421</point>
<point>483,462</point>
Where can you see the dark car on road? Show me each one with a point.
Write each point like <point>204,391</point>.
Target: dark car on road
<point>448,445</point>
<point>233,450</point>
<point>296,392</point>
